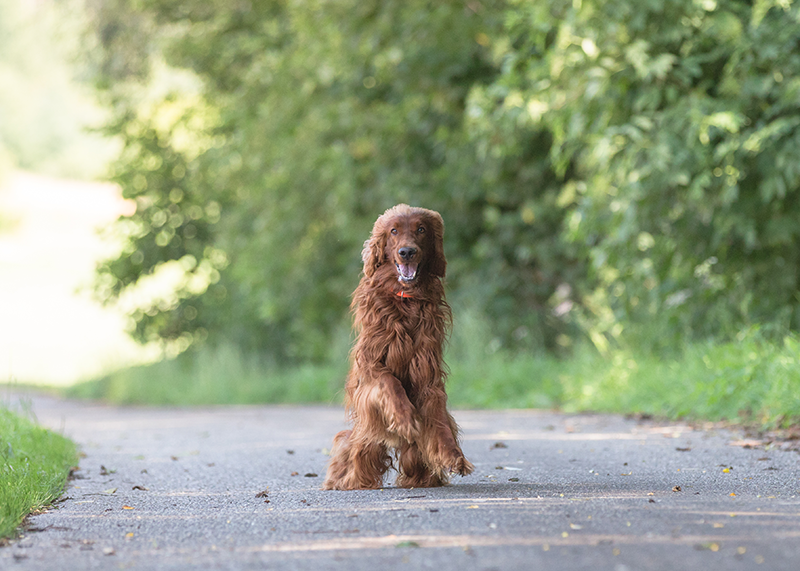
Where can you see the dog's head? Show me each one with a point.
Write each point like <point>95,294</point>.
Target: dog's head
<point>409,240</point>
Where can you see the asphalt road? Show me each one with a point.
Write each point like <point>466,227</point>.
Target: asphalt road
<point>239,488</point>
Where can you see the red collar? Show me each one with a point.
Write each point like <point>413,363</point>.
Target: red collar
<point>403,294</point>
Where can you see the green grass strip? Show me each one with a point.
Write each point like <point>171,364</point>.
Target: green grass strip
<point>752,378</point>
<point>35,466</point>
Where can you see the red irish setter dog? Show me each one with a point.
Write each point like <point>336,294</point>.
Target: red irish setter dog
<point>395,389</point>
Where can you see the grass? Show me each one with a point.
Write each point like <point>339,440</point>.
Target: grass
<point>753,379</point>
<point>216,376</point>
<point>36,464</point>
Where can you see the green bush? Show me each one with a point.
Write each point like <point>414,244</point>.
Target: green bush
<point>606,168</point>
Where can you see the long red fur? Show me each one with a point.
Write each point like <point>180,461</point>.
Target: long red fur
<point>395,393</point>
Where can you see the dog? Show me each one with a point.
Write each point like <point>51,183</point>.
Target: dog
<point>395,390</point>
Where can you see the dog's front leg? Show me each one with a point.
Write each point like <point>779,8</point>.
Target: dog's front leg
<point>440,438</point>
<point>388,399</point>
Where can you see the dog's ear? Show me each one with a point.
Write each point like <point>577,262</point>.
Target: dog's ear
<point>374,249</point>
<point>439,263</point>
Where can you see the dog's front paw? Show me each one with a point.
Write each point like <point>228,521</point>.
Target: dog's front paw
<point>461,466</point>
<point>405,424</point>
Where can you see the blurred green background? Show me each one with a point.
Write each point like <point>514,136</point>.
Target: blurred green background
<point>619,182</point>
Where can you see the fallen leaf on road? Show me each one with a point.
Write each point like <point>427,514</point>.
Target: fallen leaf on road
<point>676,489</point>
<point>513,479</point>
<point>174,458</point>
<point>108,551</point>
<point>575,526</point>
<point>104,471</point>
<point>127,507</point>
<point>110,491</point>
<point>683,449</point>
<point>746,443</point>
<point>139,488</point>
<point>295,473</point>
<point>310,475</point>
<point>129,535</point>
<point>290,451</point>
<point>499,445</point>
<point>263,494</point>
<point>472,507</point>
<point>407,544</point>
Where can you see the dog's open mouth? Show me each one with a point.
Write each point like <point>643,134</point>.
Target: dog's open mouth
<point>406,272</point>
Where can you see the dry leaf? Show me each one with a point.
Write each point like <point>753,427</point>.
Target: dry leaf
<point>676,489</point>
<point>127,507</point>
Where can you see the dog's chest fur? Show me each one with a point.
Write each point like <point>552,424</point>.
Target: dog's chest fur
<point>410,325</point>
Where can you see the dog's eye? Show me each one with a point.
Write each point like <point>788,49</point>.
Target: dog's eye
<point>421,230</point>
<point>394,230</point>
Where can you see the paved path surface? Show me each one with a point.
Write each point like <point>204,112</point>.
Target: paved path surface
<point>177,489</point>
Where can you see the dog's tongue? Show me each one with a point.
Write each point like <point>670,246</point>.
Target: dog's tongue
<point>407,271</point>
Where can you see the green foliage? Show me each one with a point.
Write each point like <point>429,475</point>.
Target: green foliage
<point>675,125</point>
<point>312,118</point>
<point>34,469</point>
<point>624,170</point>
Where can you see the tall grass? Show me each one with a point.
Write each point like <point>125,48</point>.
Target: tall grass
<point>36,463</point>
<point>221,375</point>
<point>752,378</point>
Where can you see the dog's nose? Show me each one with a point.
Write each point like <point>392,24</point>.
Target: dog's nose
<point>407,253</point>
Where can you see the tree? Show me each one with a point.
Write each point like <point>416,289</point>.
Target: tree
<point>601,165</point>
